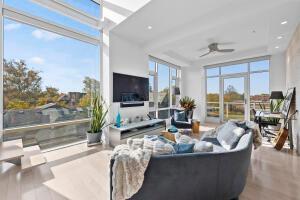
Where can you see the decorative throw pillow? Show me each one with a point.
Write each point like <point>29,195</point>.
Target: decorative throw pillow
<point>203,146</point>
<point>149,141</point>
<point>161,148</point>
<point>184,148</point>
<point>184,139</point>
<point>230,135</point>
<point>180,116</point>
<point>242,124</point>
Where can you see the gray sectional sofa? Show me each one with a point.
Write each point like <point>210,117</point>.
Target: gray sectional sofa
<point>216,175</point>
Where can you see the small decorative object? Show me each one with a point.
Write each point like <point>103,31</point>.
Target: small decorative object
<point>173,129</point>
<point>97,121</point>
<point>118,120</point>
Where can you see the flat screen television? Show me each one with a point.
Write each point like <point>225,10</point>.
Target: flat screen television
<point>128,88</point>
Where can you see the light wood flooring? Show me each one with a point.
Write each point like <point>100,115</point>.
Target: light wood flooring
<point>81,173</point>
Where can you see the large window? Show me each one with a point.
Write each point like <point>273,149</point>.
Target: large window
<point>233,89</point>
<point>51,70</point>
<point>163,79</point>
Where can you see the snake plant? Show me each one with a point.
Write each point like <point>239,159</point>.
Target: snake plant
<point>99,114</point>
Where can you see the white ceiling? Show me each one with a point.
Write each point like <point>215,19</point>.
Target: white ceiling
<point>181,28</point>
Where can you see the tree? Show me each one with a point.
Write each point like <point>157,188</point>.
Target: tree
<point>91,85</point>
<point>51,95</point>
<point>20,84</point>
<point>231,94</point>
<point>85,101</point>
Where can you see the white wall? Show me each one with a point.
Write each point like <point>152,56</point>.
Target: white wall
<point>126,58</point>
<point>278,73</point>
<point>114,12</point>
<point>194,83</point>
<point>293,78</point>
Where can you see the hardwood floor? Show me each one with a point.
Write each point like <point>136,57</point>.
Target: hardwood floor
<point>81,173</point>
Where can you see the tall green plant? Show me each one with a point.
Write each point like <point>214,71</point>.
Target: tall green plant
<point>99,114</point>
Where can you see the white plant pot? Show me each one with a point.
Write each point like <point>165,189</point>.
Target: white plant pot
<point>93,137</point>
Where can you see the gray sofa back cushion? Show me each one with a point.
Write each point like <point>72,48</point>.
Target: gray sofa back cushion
<point>229,135</point>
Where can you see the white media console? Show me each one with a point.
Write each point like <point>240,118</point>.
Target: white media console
<point>135,130</point>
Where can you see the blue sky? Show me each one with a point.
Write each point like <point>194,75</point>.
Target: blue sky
<point>63,62</point>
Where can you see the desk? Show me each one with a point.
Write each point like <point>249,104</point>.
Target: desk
<point>264,114</point>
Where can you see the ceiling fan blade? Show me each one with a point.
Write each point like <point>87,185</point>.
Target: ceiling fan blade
<point>205,54</point>
<point>201,49</point>
<point>225,50</point>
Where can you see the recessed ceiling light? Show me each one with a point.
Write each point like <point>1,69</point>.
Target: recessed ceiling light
<point>149,27</point>
<point>279,37</point>
<point>284,22</point>
<point>277,47</point>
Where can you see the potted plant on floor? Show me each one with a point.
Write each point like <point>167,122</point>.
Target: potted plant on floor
<point>188,104</point>
<point>98,121</point>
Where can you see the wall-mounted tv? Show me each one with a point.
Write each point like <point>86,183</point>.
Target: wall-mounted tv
<point>128,88</point>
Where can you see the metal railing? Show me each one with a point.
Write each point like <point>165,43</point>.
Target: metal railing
<point>215,108</point>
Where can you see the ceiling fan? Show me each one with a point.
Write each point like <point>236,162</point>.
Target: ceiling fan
<point>213,47</point>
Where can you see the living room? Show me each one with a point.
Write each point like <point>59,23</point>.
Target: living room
<point>200,95</point>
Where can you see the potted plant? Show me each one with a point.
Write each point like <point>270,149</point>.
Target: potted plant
<point>97,120</point>
<point>188,104</point>
<point>275,107</point>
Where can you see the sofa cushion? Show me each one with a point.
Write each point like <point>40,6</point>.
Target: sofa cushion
<point>161,148</point>
<point>180,116</point>
<point>230,135</point>
<point>184,148</point>
<point>242,124</point>
<point>217,147</point>
<point>203,146</point>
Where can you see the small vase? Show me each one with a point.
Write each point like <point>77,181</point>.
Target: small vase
<point>118,120</point>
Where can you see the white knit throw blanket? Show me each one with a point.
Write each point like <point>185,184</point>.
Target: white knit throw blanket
<point>128,170</point>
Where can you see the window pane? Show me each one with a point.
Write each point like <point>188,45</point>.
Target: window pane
<point>39,11</point>
<point>152,114</point>
<point>152,66</point>
<point>259,90</point>
<point>88,6</point>
<point>234,95</point>
<point>232,69</point>
<point>51,137</point>
<point>163,86</point>
<point>173,72</point>
<point>173,92</point>
<point>163,114</point>
<point>151,91</point>
<point>56,85</point>
<point>259,65</point>
<point>212,71</point>
<point>212,97</point>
